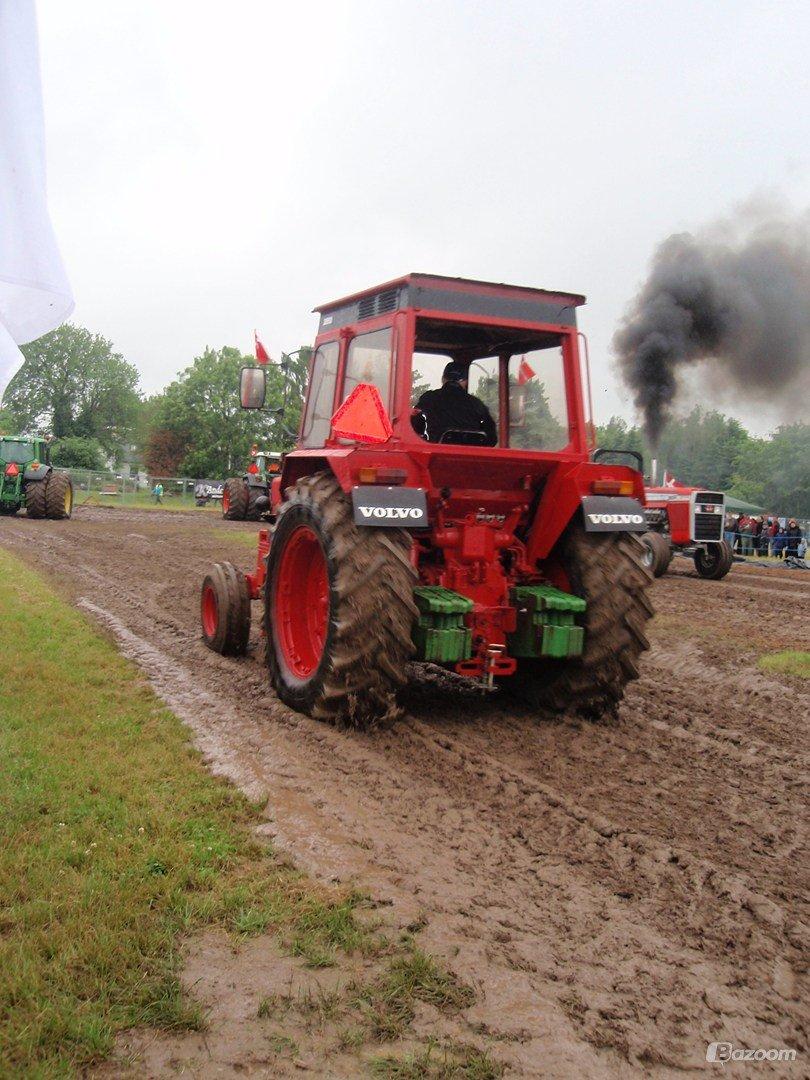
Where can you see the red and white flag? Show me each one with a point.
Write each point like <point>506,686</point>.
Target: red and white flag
<point>262,355</point>
<point>525,372</point>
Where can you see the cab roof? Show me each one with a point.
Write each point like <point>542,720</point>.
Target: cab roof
<point>437,293</point>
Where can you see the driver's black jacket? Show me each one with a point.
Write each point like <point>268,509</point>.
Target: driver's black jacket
<point>451,408</point>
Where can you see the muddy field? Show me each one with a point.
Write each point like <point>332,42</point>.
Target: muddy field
<point>619,895</point>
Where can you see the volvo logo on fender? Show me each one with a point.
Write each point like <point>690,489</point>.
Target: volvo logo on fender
<point>616,519</point>
<point>612,513</point>
<point>398,513</point>
<point>390,507</point>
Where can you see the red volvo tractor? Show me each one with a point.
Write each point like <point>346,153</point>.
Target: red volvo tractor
<point>515,564</point>
<point>690,520</point>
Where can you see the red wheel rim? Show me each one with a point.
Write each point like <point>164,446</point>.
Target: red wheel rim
<point>210,611</point>
<point>226,501</point>
<point>301,610</point>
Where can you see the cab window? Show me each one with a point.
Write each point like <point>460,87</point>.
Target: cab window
<point>18,452</point>
<point>369,361</point>
<point>538,408</point>
<point>320,403</point>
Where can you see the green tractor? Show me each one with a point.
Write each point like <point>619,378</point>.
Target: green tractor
<point>27,479</point>
<point>247,497</point>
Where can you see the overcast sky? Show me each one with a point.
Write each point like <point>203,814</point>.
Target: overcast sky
<point>218,166</point>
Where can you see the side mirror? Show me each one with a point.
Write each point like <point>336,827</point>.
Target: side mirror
<point>252,387</point>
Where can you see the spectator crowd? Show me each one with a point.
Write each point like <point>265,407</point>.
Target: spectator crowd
<point>762,536</point>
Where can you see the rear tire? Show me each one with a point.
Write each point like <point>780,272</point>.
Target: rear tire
<point>225,610</point>
<point>235,499</point>
<point>714,561</point>
<point>339,608</point>
<point>35,502</point>
<point>606,570</point>
<point>58,496</point>
<point>658,553</point>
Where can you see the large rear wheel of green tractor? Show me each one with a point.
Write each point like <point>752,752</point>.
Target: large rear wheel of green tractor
<point>36,505</point>
<point>235,499</point>
<point>58,496</point>
<point>607,571</point>
<point>338,608</point>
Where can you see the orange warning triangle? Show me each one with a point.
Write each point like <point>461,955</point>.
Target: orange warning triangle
<point>362,416</point>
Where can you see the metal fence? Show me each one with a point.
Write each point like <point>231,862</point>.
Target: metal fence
<point>93,488</point>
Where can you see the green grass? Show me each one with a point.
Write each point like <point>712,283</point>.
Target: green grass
<point>788,662</point>
<point>115,842</point>
<point>387,1002</point>
<point>142,500</point>
<point>239,536</point>
<point>452,1062</point>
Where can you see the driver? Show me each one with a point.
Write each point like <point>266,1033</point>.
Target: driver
<point>452,408</point>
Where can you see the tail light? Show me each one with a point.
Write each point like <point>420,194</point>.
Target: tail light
<point>385,475</point>
<point>612,487</point>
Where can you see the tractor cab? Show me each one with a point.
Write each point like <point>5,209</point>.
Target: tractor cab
<point>516,347</point>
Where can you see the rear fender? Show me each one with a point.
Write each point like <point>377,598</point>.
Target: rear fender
<point>563,497</point>
<point>38,473</point>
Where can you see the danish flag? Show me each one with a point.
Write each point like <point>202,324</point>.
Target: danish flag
<point>525,372</point>
<point>262,355</point>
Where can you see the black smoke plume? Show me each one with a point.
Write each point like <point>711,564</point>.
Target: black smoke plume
<point>734,305</point>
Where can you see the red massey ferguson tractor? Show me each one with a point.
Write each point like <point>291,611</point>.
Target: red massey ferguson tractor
<point>687,519</point>
<point>515,564</point>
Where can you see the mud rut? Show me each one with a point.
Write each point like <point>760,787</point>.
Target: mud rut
<point>620,895</point>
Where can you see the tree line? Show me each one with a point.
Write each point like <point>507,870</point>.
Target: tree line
<point>75,386</point>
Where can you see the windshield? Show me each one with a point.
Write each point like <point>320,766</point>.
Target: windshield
<point>19,452</point>
<point>537,405</point>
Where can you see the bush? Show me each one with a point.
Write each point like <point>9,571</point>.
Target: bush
<point>76,452</point>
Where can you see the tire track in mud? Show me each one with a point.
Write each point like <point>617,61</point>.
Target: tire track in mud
<point>620,894</point>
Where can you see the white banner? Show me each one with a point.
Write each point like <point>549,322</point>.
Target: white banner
<point>35,295</point>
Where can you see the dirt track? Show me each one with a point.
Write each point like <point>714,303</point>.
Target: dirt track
<point>619,895</point>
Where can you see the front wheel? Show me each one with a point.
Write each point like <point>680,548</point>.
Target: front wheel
<point>607,571</point>
<point>714,561</point>
<point>254,512</point>
<point>338,608</point>
<point>657,553</point>
<point>225,610</point>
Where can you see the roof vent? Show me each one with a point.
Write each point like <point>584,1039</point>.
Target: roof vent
<point>378,304</point>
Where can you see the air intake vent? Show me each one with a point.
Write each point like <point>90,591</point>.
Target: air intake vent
<point>378,304</point>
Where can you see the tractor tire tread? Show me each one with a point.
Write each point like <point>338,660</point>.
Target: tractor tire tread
<point>35,498</point>
<point>238,492</point>
<point>372,616</point>
<point>57,486</point>
<point>607,570</point>
<point>233,607</point>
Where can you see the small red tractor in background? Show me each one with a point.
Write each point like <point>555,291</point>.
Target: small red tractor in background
<point>688,519</point>
<point>247,497</point>
<point>516,564</point>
